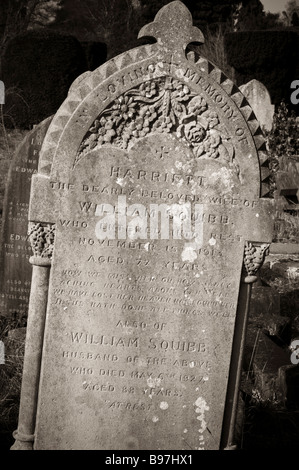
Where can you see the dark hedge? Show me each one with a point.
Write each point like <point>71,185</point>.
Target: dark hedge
<point>95,53</point>
<point>38,68</point>
<point>268,56</point>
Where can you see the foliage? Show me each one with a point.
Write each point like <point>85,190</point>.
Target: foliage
<point>11,371</point>
<point>115,22</point>
<point>10,384</point>
<point>204,12</point>
<point>17,16</point>
<point>214,50</point>
<point>249,16</point>
<point>291,7</point>
<point>283,139</point>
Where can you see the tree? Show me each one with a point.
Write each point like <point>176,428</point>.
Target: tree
<point>17,16</point>
<point>291,13</point>
<point>205,13</point>
<point>295,19</point>
<point>291,7</point>
<point>250,16</point>
<point>115,22</point>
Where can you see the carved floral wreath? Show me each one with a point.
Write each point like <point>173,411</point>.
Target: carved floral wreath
<point>162,105</point>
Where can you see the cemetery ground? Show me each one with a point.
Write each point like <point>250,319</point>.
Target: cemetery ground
<point>11,371</point>
<point>268,415</point>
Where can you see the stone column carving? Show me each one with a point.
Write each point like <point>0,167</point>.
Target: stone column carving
<point>254,257</point>
<point>42,237</point>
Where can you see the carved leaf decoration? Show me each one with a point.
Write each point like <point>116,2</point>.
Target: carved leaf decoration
<point>254,257</point>
<point>42,239</point>
<point>203,122</point>
<point>161,105</point>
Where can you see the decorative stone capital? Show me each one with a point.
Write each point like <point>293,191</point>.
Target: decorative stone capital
<point>254,256</point>
<point>41,236</point>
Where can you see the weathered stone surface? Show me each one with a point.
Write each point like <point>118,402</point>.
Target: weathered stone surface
<point>260,101</point>
<point>284,248</point>
<point>151,181</point>
<point>15,271</point>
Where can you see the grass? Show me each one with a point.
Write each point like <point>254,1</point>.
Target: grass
<point>9,141</point>
<point>268,426</point>
<point>286,228</point>
<point>10,388</point>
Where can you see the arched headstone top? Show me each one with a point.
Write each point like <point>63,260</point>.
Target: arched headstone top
<point>260,100</point>
<point>157,89</point>
<point>147,210</point>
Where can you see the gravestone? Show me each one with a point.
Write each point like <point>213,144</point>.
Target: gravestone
<point>287,184</point>
<point>260,100</point>
<point>15,248</point>
<point>149,218</point>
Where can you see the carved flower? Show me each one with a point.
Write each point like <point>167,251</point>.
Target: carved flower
<point>197,105</point>
<point>91,142</point>
<point>94,128</point>
<point>149,113</point>
<point>105,132</point>
<point>163,125</point>
<point>180,91</point>
<point>158,105</point>
<point>124,108</point>
<point>213,153</point>
<point>148,89</point>
<point>211,145</point>
<point>212,118</point>
<point>101,135</point>
<point>215,139</point>
<point>108,136</point>
<point>193,133</point>
<point>146,128</point>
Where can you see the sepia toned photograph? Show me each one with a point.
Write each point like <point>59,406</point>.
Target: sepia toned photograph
<point>149,227</point>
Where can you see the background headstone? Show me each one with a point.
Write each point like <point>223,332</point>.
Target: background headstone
<point>260,101</point>
<point>250,53</point>
<point>15,249</point>
<point>287,184</point>
<point>139,328</point>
